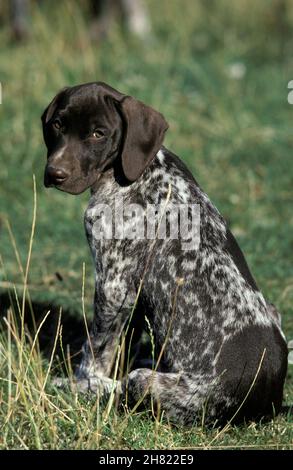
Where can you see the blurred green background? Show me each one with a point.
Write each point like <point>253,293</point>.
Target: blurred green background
<point>218,70</point>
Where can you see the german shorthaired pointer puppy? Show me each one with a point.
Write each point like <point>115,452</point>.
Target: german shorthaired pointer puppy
<point>220,345</point>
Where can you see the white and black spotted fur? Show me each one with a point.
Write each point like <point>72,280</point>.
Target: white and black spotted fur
<point>223,350</point>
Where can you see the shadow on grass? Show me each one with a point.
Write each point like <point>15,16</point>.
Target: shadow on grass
<point>73,332</point>
<point>73,327</point>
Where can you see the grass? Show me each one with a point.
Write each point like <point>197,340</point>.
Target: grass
<point>235,134</point>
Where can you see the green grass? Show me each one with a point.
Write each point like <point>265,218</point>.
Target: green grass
<point>234,134</point>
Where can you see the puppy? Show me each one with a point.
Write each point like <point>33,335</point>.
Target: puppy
<point>219,343</point>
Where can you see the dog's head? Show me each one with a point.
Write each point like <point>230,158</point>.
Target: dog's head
<point>87,128</point>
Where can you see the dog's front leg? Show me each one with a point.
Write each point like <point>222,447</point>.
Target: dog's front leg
<point>100,350</point>
<point>112,310</point>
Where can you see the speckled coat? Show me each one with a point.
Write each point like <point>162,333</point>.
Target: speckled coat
<point>222,342</point>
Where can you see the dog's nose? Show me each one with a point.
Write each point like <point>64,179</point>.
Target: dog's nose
<point>56,175</point>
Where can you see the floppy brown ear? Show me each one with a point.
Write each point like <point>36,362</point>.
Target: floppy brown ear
<point>144,134</point>
<point>49,111</point>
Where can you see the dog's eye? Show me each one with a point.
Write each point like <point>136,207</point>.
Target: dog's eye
<point>97,134</point>
<point>57,124</point>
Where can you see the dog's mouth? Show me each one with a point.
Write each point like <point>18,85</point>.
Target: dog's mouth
<point>55,184</point>
<point>67,185</point>
<point>70,183</point>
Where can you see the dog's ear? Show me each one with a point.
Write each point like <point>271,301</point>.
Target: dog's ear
<point>49,111</point>
<point>144,135</point>
<point>144,130</point>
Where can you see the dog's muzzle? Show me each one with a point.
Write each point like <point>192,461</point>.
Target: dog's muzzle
<point>54,176</point>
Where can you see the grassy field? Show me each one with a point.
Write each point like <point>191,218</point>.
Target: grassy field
<point>218,71</point>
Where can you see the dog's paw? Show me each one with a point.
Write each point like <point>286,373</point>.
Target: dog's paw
<point>98,385</point>
<point>104,385</point>
<point>60,382</point>
<point>81,385</point>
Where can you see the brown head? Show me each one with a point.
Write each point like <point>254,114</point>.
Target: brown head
<point>89,128</point>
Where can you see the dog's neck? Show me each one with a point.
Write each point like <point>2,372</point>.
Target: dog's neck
<point>115,174</point>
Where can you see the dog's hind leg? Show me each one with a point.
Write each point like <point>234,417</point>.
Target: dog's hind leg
<point>183,397</point>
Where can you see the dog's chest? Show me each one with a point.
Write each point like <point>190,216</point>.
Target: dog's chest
<point>107,227</point>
